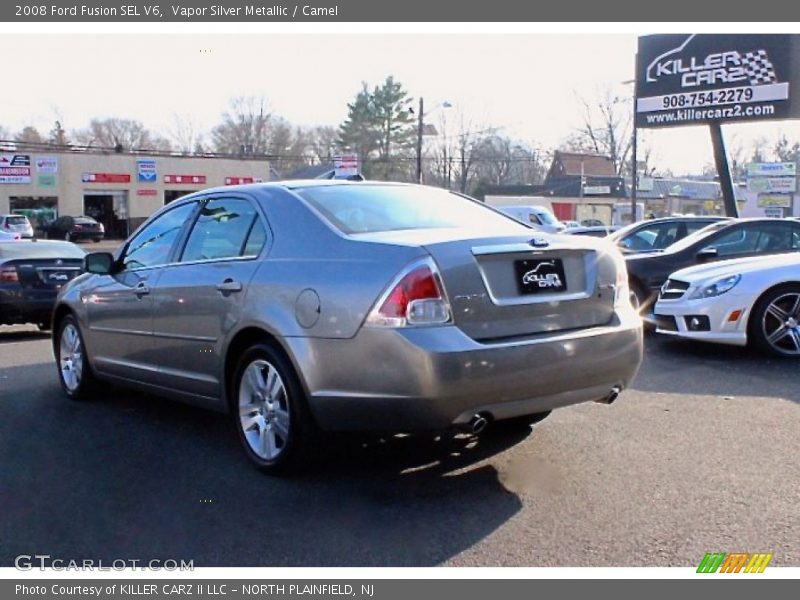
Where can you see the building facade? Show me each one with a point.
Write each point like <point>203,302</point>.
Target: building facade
<point>119,190</point>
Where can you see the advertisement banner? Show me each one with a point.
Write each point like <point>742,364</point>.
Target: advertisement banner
<point>684,79</point>
<point>105,178</point>
<point>786,185</point>
<point>786,169</point>
<point>15,168</point>
<point>777,201</point>
<point>46,180</point>
<point>242,180</point>
<point>146,171</point>
<point>47,164</point>
<point>184,179</point>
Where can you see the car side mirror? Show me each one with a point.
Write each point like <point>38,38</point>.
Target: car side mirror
<point>101,263</point>
<point>706,254</point>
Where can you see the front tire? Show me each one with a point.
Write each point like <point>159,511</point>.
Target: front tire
<point>74,372</point>
<point>775,322</point>
<point>269,412</point>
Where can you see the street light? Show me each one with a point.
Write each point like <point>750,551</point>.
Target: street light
<point>420,131</point>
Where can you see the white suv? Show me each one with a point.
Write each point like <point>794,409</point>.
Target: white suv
<point>16,224</point>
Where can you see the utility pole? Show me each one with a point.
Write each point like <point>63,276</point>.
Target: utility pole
<point>634,157</point>
<point>723,170</point>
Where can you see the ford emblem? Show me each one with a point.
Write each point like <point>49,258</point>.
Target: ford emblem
<point>539,242</point>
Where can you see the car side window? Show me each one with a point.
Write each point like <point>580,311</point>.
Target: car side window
<point>795,237</point>
<point>775,237</point>
<point>255,239</point>
<point>739,240</point>
<point>693,226</point>
<point>533,218</point>
<point>221,231</point>
<point>152,246</point>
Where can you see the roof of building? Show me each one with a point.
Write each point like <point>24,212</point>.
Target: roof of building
<point>575,163</point>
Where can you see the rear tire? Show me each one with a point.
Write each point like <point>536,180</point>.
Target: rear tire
<point>270,412</point>
<point>774,326</point>
<point>74,371</point>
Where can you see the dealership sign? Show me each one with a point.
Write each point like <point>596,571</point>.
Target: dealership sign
<point>15,168</point>
<point>777,201</point>
<point>689,79</point>
<point>345,165</point>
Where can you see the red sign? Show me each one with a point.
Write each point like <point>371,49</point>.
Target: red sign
<point>242,180</point>
<point>106,178</point>
<point>147,192</point>
<point>184,179</point>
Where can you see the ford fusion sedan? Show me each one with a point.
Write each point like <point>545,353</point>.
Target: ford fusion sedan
<point>31,274</point>
<point>306,307</point>
<point>724,240</point>
<point>754,300</point>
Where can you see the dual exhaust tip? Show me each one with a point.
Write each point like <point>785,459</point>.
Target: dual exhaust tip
<point>478,422</point>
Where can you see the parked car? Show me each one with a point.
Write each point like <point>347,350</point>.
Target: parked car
<point>571,224</point>
<point>73,229</point>
<point>741,301</point>
<point>537,217</point>
<point>657,234</point>
<point>593,231</point>
<point>591,223</point>
<point>31,273</point>
<point>720,241</point>
<point>326,305</point>
<point>16,224</point>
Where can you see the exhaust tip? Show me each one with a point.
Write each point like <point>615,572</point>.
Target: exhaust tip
<point>477,424</point>
<point>612,395</point>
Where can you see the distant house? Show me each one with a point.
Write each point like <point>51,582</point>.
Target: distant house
<point>664,196</point>
<point>580,187</point>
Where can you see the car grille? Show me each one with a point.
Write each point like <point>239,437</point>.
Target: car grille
<point>673,289</point>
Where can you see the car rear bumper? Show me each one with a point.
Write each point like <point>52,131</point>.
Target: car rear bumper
<point>437,377</point>
<point>17,308</point>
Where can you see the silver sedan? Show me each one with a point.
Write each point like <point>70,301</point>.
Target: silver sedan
<point>306,307</point>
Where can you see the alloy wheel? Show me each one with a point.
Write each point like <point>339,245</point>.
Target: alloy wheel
<point>780,324</point>
<point>264,410</point>
<point>70,357</point>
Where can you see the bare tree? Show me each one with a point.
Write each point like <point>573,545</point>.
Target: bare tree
<point>245,127</point>
<point>121,134</point>
<point>606,129</point>
<point>185,133</point>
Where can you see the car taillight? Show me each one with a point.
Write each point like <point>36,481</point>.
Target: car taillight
<point>9,275</point>
<point>415,298</point>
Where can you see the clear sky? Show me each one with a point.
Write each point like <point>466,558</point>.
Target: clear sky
<point>526,83</point>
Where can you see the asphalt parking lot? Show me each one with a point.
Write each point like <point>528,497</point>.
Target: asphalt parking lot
<point>700,456</point>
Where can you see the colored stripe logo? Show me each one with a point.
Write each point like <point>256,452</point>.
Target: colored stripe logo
<point>735,562</point>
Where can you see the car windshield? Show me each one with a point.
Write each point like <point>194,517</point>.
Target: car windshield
<point>17,220</point>
<point>700,233</point>
<point>35,250</point>
<point>377,208</point>
<point>547,218</point>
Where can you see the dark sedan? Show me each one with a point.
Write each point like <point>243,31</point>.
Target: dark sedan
<point>31,274</point>
<point>720,241</point>
<point>657,234</point>
<point>73,229</point>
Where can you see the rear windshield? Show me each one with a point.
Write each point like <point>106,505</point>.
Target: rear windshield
<point>40,250</point>
<point>85,221</point>
<point>375,208</point>
<point>17,220</point>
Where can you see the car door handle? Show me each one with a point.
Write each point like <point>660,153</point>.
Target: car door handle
<point>141,290</point>
<point>229,285</point>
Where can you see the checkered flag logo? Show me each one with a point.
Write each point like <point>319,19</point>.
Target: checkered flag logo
<point>759,68</point>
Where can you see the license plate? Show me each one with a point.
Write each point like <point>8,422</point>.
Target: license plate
<point>540,275</point>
